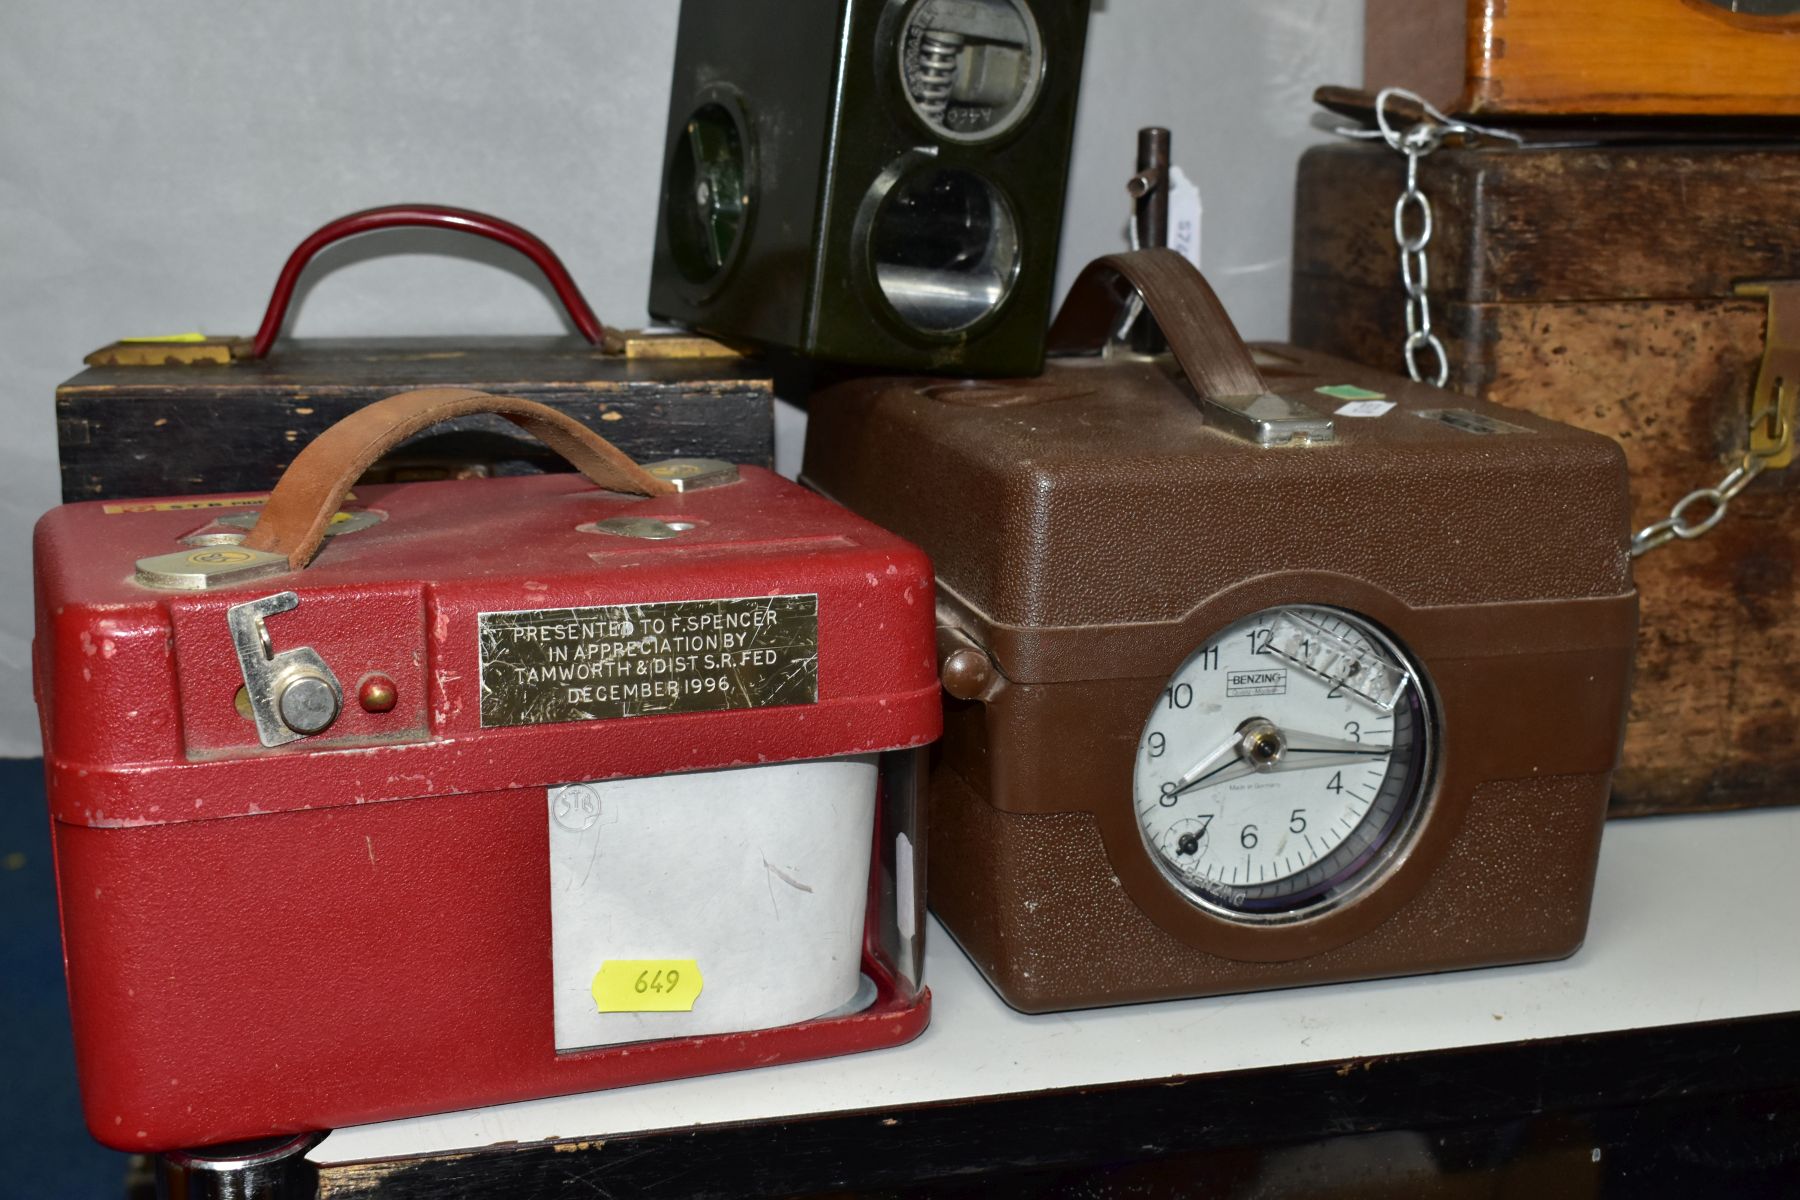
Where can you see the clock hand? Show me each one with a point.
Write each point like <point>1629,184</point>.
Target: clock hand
<point>1304,760</point>
<point>1298,741</point>
<point>1221,758</point>
<point>1282,750</point>
<point>1302,751</point>
<point>1253,748</point>
<point>1236,768</point>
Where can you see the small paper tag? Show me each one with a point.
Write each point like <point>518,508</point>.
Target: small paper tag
<point>1365,408</point>
<point>1349,391</point>
<point>1184,215</point>
<point>647,985</point>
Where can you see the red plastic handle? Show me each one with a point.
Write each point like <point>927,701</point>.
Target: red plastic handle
<point>431,216</point>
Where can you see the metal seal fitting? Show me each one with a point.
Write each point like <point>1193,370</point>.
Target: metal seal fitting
<point>292,694</point>
<point>694,474</point>
<point>207,567</point>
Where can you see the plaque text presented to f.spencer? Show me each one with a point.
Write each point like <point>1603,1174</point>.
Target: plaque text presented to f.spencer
<point>635,660</point>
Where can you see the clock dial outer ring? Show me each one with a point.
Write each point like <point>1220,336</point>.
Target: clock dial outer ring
<point>1411,865</point>
<point>1418,773</point>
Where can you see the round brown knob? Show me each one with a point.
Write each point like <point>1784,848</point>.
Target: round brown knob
<point>966,673</point>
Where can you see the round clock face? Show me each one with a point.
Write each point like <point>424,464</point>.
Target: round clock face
<point>1284,763</point>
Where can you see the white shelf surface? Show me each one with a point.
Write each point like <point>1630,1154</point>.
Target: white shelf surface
<point>1694,920</point>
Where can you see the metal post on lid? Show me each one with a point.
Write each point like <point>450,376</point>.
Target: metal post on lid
<point>1149,189</point>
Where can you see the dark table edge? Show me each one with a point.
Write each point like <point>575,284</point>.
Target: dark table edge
<point>895,1146</point>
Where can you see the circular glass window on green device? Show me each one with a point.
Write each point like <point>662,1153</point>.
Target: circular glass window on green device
<point>707,201</point>
<point>945,246</point>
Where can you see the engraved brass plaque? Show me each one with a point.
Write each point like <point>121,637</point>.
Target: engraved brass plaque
<point>545,666</point>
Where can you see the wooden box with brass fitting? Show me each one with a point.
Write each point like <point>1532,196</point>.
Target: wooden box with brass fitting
<point>1264,668</point>
<point>169,416</point>
<point>1651,293</point>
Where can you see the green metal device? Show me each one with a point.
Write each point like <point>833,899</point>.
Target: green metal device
<point>870,181</point>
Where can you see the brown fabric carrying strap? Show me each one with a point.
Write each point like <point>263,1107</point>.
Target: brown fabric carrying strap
<point>293,521</point>
<point>1195,324</point>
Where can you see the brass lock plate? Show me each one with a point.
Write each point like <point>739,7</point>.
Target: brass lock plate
<point>1775,401</point>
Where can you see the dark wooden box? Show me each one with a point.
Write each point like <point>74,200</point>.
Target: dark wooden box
<point>127,427</point>
<point>1598,286</point>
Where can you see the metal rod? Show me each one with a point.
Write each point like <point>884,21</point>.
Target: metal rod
<point>1153,196</point>
<point>1149,188</point>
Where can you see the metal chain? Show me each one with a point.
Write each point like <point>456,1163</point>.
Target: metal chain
<point>1414,209</point>
<point>1415,266</point>
<point>1719,497</point>
<point>1417,142</point>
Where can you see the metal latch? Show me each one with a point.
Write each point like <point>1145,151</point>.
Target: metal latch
<point>1775,402</point>
<point>1268,420</point>
<point>292,694</point>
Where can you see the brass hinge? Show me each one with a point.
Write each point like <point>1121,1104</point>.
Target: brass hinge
<point>641,343</point>
<point>179,351</point>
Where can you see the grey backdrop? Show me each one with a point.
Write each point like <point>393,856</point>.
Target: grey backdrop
<point>158,161</point>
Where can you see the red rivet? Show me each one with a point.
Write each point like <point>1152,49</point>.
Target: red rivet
<point>377,694</point>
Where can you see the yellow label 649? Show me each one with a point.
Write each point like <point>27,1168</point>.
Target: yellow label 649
<point>647,985</point>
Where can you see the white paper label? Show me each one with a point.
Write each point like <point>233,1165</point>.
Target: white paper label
<point>760,875</point>
<point>1365,408</point>
<point>1184,215</point>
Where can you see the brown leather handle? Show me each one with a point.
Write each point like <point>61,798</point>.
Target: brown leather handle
<point>1198,330</point>
<point>294,519</point>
